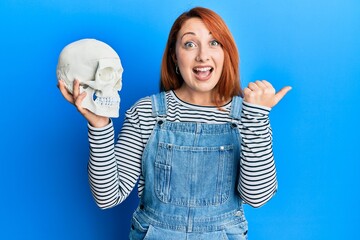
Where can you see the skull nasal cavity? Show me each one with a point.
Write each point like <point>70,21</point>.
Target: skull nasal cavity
<point>107,74</point>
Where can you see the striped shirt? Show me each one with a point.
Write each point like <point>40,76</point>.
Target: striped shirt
<point>114,168</point>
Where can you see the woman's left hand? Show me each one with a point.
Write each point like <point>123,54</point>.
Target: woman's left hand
<point>263,93</point>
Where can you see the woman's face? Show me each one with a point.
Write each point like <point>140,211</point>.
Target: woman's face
<point>199,56</point>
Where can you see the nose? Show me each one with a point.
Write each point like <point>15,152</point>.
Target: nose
<point>203,54</point>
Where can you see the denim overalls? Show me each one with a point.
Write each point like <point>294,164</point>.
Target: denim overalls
<point>191,172</point>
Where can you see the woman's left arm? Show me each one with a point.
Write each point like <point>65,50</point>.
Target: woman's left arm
<point>258,182</point>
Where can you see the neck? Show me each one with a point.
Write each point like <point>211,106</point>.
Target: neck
<point>195,98</point>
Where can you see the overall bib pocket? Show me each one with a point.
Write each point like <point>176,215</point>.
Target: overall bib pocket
<point>193,176</point>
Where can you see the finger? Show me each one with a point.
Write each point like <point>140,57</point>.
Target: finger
<point>260,84</point>
<point>267,87</point>
<point>279,95</point>
<point>252,86</point>
<point>78,103</point>
<point>76,88</point>
<point>85,112</point>
<point>247,91</point>
<point>79,99</point>
<point>248,94</point>
<point>64,91</point>
<point>266,83</point>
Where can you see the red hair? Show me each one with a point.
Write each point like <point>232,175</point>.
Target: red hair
<point>229,83</point>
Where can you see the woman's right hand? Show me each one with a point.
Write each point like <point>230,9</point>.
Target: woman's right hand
<point>76,99</point>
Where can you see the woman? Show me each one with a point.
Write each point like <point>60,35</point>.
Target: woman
<point>200,148</point>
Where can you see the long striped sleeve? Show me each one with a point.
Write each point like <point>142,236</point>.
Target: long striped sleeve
<point>113,168</point>
<point>103,169</point>
<point>258,182</point>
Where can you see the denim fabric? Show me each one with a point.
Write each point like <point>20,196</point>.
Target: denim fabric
<point>191,171</point>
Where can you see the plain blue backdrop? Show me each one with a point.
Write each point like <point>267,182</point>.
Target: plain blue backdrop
<point>311,45</point>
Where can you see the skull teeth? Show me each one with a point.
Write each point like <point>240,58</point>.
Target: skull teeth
<point>107,101</point>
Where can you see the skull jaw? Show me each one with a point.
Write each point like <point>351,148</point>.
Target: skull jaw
<point>108,106</point>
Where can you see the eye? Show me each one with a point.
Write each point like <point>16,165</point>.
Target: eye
<point>189,44</point>
<point>214,43</point>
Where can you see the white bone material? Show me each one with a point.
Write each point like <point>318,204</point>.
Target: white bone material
<point>98,68</point>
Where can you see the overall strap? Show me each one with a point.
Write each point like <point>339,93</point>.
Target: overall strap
<point>158,104</point>
<point>236,108</point>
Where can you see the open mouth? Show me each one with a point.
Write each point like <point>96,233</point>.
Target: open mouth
<point>203,72</point>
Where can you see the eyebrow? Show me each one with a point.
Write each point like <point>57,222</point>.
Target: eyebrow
<point>190,33</point>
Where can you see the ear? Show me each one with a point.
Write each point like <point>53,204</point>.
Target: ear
<point>173,56</point>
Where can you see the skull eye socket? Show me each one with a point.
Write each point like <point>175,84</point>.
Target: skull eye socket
<point>94,97</point>
<point>107,74</point>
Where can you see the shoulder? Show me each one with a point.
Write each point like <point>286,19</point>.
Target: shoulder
<point>141,104</point>
<point>143,107</point>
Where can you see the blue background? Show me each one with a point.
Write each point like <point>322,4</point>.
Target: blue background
<point>311,45</point>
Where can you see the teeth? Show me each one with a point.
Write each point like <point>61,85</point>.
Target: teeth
<point>203,69</point>
<point>107,101</point>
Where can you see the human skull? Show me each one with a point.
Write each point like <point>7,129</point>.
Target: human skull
<point>98,69</point>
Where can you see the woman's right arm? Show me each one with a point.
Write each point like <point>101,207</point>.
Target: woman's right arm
<point>113,169</point>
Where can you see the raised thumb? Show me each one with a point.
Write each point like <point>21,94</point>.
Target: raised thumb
<point>280,94</point>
